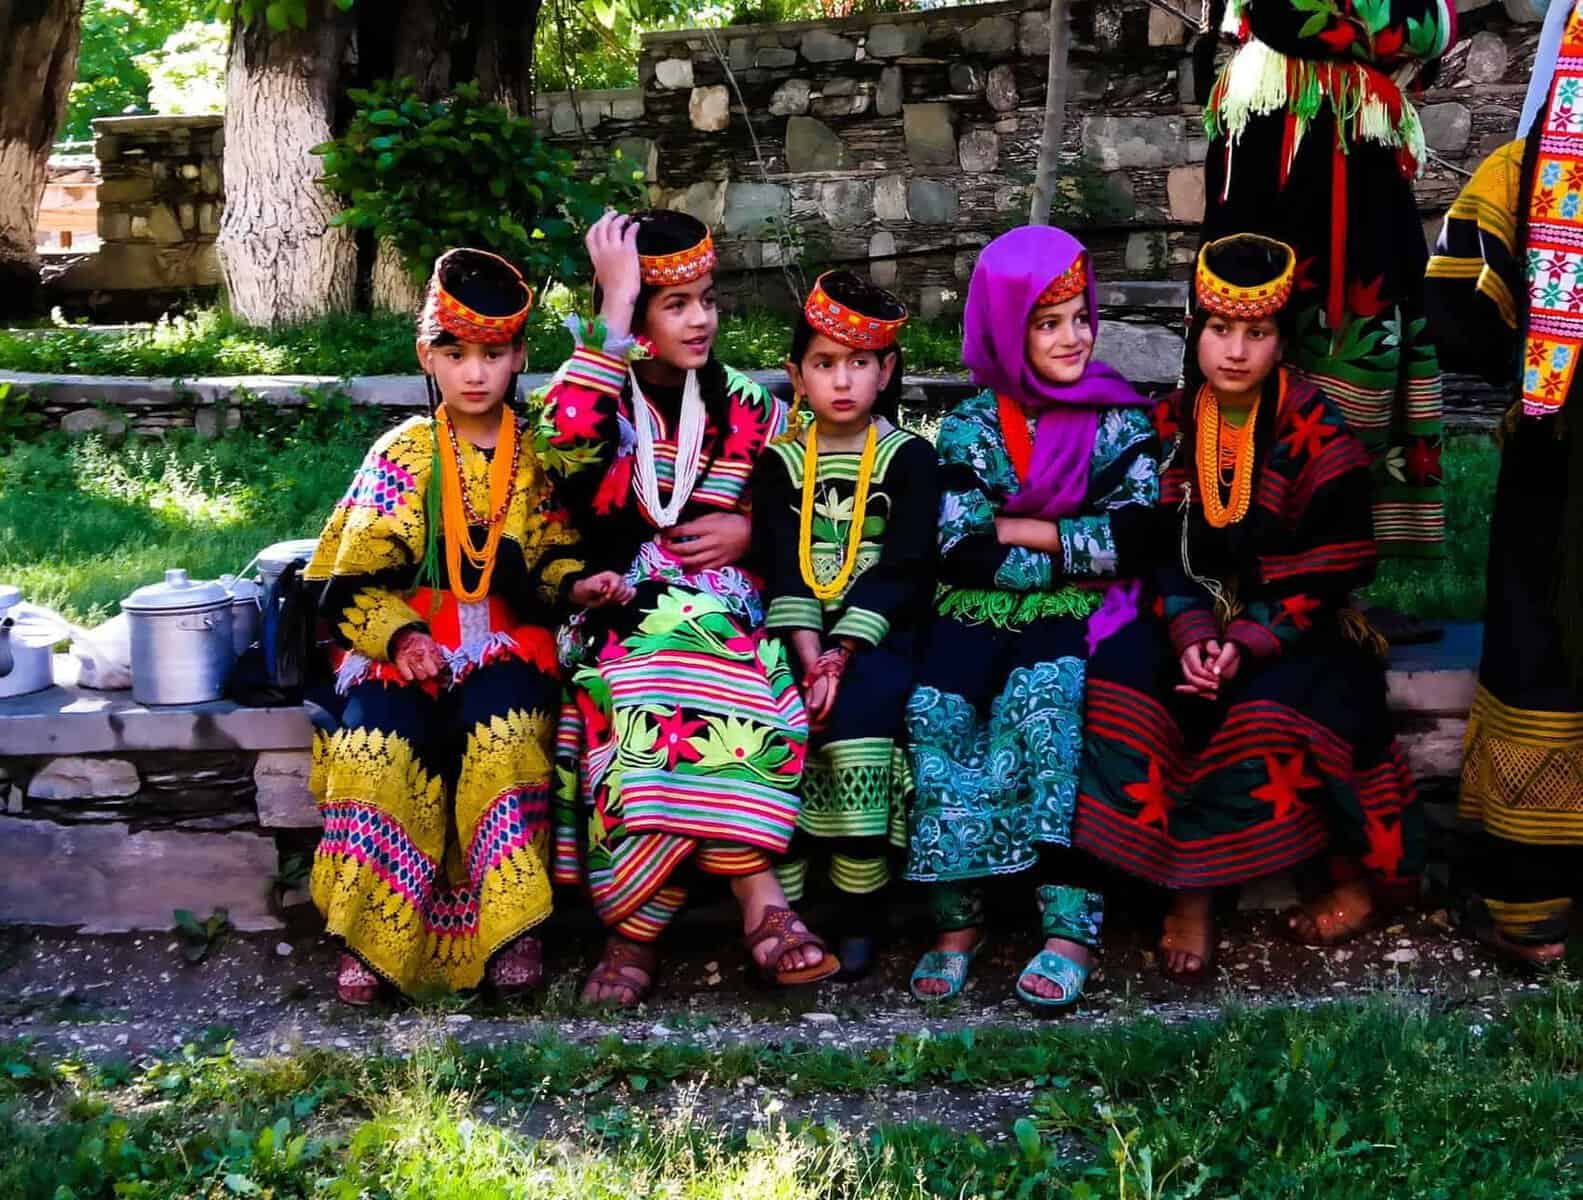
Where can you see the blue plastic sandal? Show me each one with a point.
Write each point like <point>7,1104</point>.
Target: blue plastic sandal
<point>1067,974</point>
<point>949,966</point>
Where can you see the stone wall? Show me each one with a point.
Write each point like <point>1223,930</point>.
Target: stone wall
<point>161,193</point>
<point>906,141</point>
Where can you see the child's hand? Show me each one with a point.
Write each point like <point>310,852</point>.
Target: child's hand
<point>602,590</point>
<point>613,251</point>
<point>418,657</point>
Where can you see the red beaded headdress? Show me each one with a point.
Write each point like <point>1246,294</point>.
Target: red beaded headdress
<point>845,324</point>
<point>673,270</point>
<point>453,270</point>
<point>1245,302</point>
<point>1071,282</point>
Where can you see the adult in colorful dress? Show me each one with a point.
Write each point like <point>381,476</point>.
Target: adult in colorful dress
<point>844,518</point>
<point>443,572</point>
<point>682,746</point>
<point>1246,731</point>
<point>1502,298</point>
<point>1312,142</point>
<point>1048,483</point>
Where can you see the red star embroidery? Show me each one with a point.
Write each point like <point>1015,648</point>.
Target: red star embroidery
<point>1575,178</point>
<point>1309,432</point>
<point>1338,37</point>
<point>672,737</point>
<point>1536,354</point>
<point>1385,847</point>
<point>1298,610</point>
<point>1285,782</point>
<point>1364,298</point>
<point>1423,462</point>
<point>1151,794</point>
<point>1304,278</point>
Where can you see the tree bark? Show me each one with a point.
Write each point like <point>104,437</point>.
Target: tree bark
<point>40,39</point>
<point>1054,134</point>
<point>282,259</point>
<point>392,288</point>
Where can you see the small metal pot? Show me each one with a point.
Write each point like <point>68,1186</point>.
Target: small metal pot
<point>246,611</point>
<point>24,667</point>
<point>181,640</point>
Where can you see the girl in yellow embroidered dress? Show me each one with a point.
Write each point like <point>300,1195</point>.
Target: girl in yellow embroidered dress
<point>443,570</point>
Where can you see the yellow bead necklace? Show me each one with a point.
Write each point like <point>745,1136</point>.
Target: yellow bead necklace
<point>854,538</point>
<point>1206,417</point>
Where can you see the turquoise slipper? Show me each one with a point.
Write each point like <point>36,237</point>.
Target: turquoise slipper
<point>951,966</point>
<point>1067,974</point>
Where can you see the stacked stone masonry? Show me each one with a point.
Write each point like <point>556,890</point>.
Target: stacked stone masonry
<point>903,142</point>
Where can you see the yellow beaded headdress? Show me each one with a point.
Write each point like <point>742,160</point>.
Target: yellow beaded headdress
<point>1071,282</point>
<point>1246,301</point>
<point>475,296</point>
<point>864,317</point>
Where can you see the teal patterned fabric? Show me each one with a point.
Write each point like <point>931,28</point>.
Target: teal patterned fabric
<point>990,792</point>
<point>1026,570</point>
<point>1072,913</point>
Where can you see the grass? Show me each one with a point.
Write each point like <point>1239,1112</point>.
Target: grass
<point>212,342</point>
<point>1383,1098</point>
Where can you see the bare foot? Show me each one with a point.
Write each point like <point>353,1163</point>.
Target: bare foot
<point>1338,916</point>
<point>1536,956</point>
<point>1048,989</point>
<point>961,940</point>
<point>1189,931</point>
<point>623,975</point>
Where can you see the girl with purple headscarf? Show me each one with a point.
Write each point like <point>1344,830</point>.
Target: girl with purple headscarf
<point>1048,477</point>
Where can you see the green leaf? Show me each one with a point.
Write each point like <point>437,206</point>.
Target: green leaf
<point>1314,25</point>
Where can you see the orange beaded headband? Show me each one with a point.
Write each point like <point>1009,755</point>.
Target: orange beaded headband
<point>846,325</point>
<point>1236,301</point>
<point>1071,282</point>
<point>468,324</point>
<point>673,270</point>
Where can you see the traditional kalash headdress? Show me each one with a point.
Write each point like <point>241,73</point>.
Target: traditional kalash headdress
<point>1069,283</point>
<point>474,296</point>
<point>857,314</point>
<point>1245,276</point>
<point>673,248</point>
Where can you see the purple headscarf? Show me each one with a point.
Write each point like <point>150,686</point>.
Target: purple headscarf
<point>1011,273</point>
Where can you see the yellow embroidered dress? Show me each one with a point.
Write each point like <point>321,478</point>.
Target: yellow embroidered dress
<point>435,796</point>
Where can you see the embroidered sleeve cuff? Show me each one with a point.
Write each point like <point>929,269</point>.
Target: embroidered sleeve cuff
<point>1254,638</point>
<point>596,371</point>
<point>1088,549</point>
<point>862,624</point>
<point>1025,570</point>
<point>1191,627</point>
<point>373,619</point>
<point>794,612</point>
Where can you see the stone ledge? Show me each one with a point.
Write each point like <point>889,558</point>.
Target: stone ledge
<point>71,720</point>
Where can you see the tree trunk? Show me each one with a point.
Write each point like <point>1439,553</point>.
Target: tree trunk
<point>40,39</point>
<point>1054,134</point>
<point>283,261</point>
<point>392,288</point>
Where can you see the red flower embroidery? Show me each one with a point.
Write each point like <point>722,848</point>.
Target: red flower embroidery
<point>1385,847</point>
<point>1364,299</point>
<point>1165,422</point>
<point>576,416</point>
<point>1338,37</point>
<point>1388,43</point>
<point>744,430</point>
<point>1298,610</point>
<point>1423,462</point>
<point>1309,432</point>
<point>672,738</point>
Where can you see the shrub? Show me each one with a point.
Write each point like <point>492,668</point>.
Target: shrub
<point>426,175</point>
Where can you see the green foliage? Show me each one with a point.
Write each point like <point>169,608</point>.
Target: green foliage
<point>118,36</point>
<point>20,417</point>
<point>279,15</point>
<point>199,938</point>
<point>187,73</point>
<point>464,172</point>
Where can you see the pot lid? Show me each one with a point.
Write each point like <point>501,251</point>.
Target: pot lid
<point>176,594</point>
<point>10,596</point>
<point>241,589</point>
<point>282,553</point>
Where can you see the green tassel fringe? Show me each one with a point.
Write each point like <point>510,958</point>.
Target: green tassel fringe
<point>1013,610</point>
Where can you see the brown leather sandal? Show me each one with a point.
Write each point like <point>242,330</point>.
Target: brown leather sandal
<point>777,923</point>
<point>1189,937</point>
<point>355,984</point>
<point>519,967</point>
<point>621,956</point>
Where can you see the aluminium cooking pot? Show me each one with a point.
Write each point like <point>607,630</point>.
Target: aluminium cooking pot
<point>181,640</point>
<point>26,663</point>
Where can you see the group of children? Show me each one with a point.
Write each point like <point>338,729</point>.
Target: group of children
<point>673,627</point>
